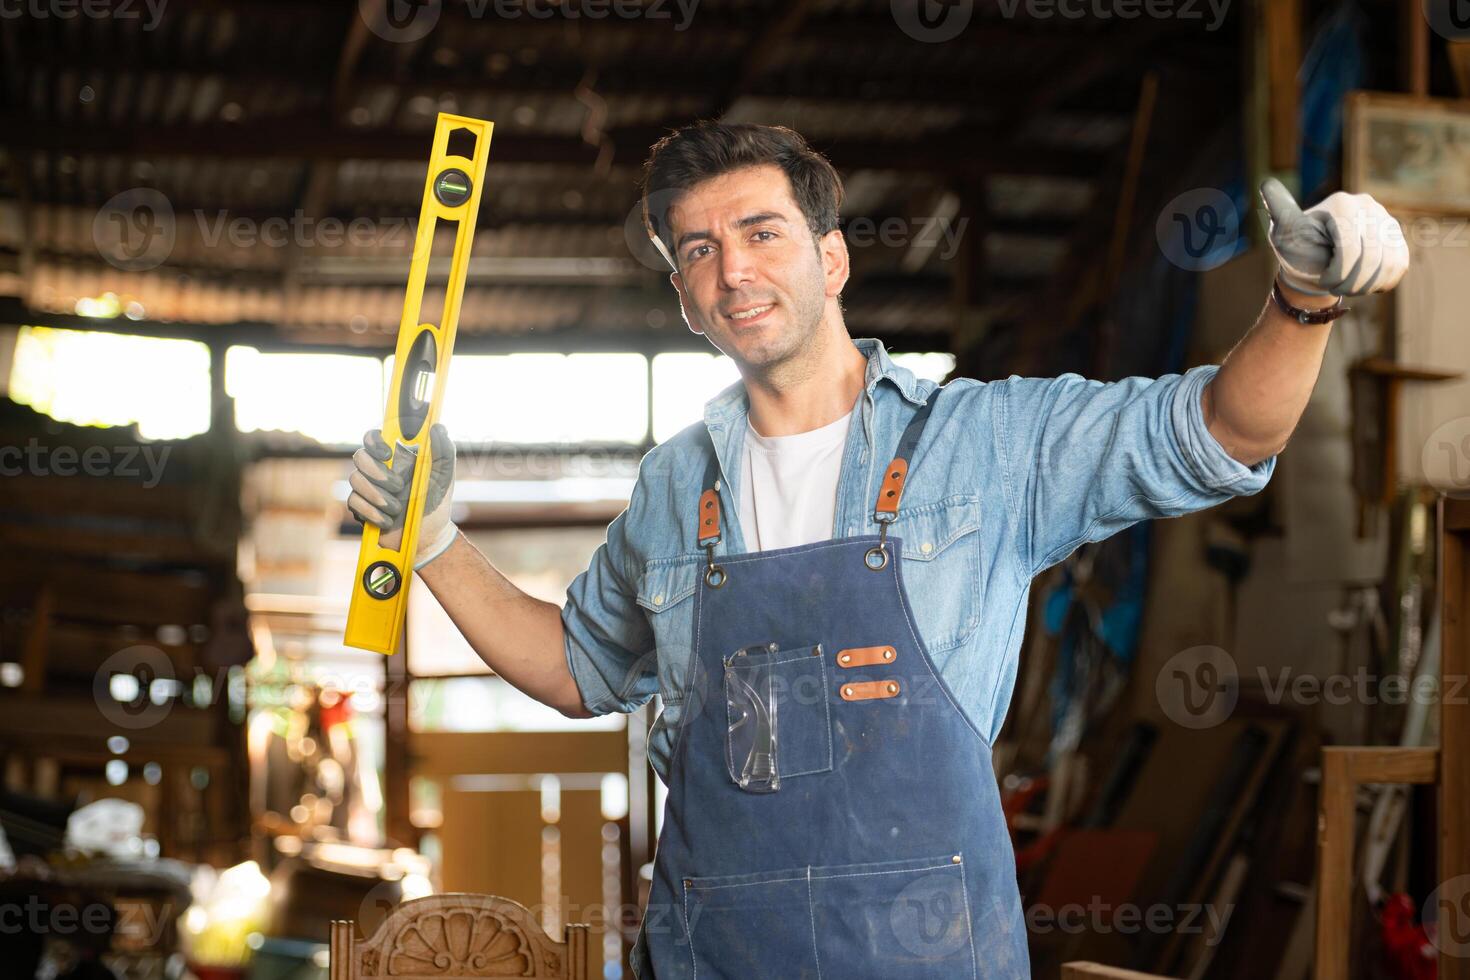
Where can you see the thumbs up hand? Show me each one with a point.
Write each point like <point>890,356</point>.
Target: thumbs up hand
<point>1346,246</point>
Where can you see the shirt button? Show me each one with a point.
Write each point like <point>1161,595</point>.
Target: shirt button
<point>926,547</point>
<point>658,600</point>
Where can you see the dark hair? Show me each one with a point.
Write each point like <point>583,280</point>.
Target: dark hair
<point>706,149</point>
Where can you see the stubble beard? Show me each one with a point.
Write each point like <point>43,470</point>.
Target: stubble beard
<point>788,358</point>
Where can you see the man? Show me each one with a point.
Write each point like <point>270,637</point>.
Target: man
<point>836,649</point>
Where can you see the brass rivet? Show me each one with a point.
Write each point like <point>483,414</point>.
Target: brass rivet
<point>846,658</point>
<point>847,691</point>
<point>955,859</point>
<point>892,688</point>
<point>887,654</point>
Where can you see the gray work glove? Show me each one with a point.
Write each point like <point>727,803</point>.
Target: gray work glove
<point>1346,246</point>
<point>380,495</point>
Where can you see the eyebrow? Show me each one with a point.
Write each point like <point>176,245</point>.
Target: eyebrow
<point>746,222</point>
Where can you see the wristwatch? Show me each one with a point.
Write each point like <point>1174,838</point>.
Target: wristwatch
<point>1302,316</point>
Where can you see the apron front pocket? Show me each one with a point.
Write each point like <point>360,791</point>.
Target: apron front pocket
<point>754,925</point>
<point>900,920</point>
<point>897,920</point>
<point>778,720</point>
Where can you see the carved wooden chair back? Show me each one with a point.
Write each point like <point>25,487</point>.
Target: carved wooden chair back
<point>458,934</point>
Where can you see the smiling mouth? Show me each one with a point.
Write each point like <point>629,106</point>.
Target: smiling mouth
<point>752,313</point>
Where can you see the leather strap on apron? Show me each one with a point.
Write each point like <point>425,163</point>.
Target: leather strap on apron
<point>885,509</point>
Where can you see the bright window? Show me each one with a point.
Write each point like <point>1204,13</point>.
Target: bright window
<point>682,383</point>
<point>332,398</point>
<point>88,377</point>
<point>546,398</point>
<point>931,366</point>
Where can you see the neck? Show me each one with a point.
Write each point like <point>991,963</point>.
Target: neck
<point>814,389</point>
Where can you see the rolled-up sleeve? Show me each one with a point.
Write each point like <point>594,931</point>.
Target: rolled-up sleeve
<point>1086,459</point>
<point>609,643</point>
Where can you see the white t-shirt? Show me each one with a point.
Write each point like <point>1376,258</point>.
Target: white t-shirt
<point>788,486</point>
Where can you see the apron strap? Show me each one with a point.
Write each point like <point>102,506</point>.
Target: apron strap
<point>890,492</point>
<point>709,504</point>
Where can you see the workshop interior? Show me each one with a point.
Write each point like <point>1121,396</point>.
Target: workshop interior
<point>241,739</point>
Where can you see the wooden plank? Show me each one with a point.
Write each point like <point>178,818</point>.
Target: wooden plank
<point>1091,971</point>
<point>1372,764</point>
<point>1344,768</point>
<point>1413,48</point>
<point>73,542</point>
<point>105,495</point>
<point>1336,828</point>
<point>73,650</point>
<point>1454,770</point>
<point>1283,61</point>
<point>447,753</point>
<point>33,652</point>
<point>103,595</point>
<point>57,717</point>
<point>1455,516</point>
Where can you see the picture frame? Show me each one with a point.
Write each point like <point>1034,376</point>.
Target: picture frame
<point>1411,153</point>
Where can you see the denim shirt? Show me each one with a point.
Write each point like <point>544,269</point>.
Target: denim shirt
<point>1010,477</point>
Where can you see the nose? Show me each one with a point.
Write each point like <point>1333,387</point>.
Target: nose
<point>736,266</point>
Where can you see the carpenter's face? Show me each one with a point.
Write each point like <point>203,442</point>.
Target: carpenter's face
<point>751,277</point>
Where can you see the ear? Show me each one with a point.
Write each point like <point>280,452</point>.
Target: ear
<point>835,262</point>
<point>678,282</point>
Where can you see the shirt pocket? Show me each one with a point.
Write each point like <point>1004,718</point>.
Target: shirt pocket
<point>941,568</point>
<point>666,593</point>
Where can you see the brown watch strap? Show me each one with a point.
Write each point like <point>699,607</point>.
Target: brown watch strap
<point>1305,316</point>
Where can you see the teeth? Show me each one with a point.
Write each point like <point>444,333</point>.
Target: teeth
<point>749,313</point>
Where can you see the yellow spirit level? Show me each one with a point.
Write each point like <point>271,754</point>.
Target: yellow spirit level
<point>420,369</point>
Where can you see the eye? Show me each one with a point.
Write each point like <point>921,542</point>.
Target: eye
<point>697,252</point>
<point>764,231</point>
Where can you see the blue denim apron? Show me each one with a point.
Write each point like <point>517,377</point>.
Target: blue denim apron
<point>830,811</point>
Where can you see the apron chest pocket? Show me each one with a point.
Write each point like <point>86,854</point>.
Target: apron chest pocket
<point>779,723</point>
<point>900,920</point>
